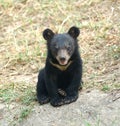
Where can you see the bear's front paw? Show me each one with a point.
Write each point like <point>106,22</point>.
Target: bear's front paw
<point>57,101</point>
<point>70,99</point>
<point>43,99</point>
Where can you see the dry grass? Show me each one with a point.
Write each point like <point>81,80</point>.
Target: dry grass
<point>23,50</point>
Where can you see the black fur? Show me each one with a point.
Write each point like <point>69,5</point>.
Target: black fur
<point>51,79</point>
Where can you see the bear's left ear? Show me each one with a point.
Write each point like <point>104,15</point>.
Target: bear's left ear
<point>48,34</point>
<point>74,32</point>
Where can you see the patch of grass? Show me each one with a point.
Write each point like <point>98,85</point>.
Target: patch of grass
<point>109,87</point>
<point>6,3</point>
<point>23,57</point>
<point>97,122</point>
<point>20,94</point>
<point>87,124</point>
<point>114,52</point>
<point>28,97</point>
<point>105,88</point>
<point>8,94</point>
<point>25,112</point>
<point>117,86</point>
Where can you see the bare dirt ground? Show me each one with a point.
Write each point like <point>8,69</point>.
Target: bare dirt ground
<point>93,108</point>
<point>23,53</point>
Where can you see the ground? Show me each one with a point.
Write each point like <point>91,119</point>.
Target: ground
<point>23,53</point>
<point>93,108</point>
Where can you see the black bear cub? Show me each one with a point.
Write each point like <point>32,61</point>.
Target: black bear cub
<point>60,80</point>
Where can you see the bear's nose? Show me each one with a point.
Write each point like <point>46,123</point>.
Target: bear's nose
<point>62,59</point>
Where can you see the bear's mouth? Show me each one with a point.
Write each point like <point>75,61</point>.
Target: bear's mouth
<point>63,62</point>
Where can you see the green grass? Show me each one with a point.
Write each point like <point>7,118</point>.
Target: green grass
<point>114,52</point>
<point>25,112</point>
<point>105,88</point>
<point>87,124</point>
<point>13,93</point>
<point>23,96</point>
<point>28,97</point>
<point>8,94</point>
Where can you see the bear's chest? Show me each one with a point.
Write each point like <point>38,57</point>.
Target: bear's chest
<point>63,80</point>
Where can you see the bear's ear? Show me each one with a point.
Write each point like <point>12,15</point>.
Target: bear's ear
<point>74,32</point>
<point>48,34</point>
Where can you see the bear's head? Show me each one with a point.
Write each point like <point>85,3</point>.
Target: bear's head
<point>62,46</point>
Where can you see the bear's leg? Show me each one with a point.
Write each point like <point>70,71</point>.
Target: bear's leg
<point>42,94</point>
<point>57,101</point>
<point>72,90</point>
<point>71,97</point>
<point>55,98</point>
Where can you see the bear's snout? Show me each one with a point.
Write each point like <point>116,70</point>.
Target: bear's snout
<point>62,60</point>
<point>63,57</point>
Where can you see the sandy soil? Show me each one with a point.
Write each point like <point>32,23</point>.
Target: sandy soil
<point>93,108</point>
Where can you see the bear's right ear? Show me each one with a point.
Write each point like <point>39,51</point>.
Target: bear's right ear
<point>74,32</point>
<point>48,34</point>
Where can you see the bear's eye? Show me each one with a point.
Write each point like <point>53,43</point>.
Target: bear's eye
<point>55,47</point>
<point>68,48</point>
